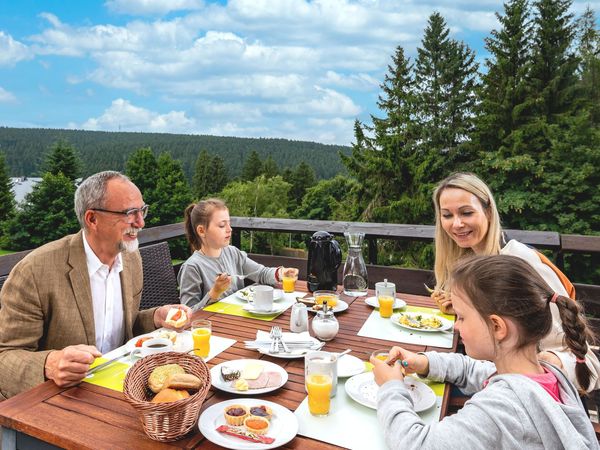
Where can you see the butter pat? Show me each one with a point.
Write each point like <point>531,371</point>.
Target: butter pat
<point>252,371</point>
<point>241,384</point>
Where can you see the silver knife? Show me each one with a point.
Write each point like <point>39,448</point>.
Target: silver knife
<point>107,363</point>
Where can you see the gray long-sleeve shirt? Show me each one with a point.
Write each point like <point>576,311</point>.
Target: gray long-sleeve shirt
<point>197,275</point>
<point>511,412</point>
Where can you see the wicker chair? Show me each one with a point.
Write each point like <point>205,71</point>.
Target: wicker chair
<point>160,285</point>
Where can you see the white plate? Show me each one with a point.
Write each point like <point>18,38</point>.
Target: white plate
<point>349,366</point>
<point>446,324</point>
<point>276,310</point>
<point>239,364</point>
<point>363,389</point>
<point>247,294</point>
<point>372,301</point>
<point>294,353</point>
<point>340,306</point>
<point>284,425</point>
<point>182,344</point>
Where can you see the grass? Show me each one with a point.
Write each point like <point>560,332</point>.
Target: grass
<point>5,252</point>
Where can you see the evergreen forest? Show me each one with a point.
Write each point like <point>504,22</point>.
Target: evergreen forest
<point>527,121</point>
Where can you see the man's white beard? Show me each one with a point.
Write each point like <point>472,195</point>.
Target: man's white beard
<point>128,246</point>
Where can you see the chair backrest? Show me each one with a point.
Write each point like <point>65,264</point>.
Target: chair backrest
<point>160,285</point>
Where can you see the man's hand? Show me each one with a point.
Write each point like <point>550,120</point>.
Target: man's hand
<point>160,316</point>
<point>67,367</point>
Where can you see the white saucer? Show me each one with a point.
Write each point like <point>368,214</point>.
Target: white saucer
<point>276,310</point>
<point>372,301</point>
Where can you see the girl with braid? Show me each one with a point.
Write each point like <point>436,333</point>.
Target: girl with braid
<point>519,401</point>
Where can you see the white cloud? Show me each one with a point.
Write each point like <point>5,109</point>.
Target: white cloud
<point>6,97</point>
<point>145,7</point>
<point>11,51</point>
<point>123,116</point>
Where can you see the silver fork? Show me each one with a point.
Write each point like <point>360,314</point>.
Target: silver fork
<point>273,341</point>
<point>279,336</point>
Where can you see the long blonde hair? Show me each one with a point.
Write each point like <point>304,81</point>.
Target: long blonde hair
<point>447,252</point>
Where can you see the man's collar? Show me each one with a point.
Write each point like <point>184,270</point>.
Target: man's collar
<point>94,263</point>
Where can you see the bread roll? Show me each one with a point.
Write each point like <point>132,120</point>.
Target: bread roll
<point>183,381</point>
<point>170,395</point>
<point>160,374</point>
<point>176,317</point>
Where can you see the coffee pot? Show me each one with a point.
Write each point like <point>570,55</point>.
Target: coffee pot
<point>324,258</point>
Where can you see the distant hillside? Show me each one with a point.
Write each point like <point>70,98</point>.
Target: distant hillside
<point>100,150</point>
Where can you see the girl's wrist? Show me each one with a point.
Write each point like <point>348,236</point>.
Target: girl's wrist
<point>279,274</point>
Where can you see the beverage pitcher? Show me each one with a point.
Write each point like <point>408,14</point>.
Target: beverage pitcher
<point>355,279</point>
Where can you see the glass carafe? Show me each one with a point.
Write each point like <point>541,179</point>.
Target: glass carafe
<point>355,279</point>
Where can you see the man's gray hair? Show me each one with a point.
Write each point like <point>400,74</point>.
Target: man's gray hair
<point>91,192</point>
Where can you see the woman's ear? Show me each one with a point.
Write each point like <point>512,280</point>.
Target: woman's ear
<point>499,327</point>
<point>200,230</point>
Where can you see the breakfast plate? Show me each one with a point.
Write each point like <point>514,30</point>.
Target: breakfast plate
<point>183,341</point>
<point>247,294</point>
<point>421,322</point>
<point>340,306</point>
<point>283,425</point>
<point>349,366</point>
<point>265,376</point>
<point>250,308</point>
<point>372,301</point>
<point>363,389</point>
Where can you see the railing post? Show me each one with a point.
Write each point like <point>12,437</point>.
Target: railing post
<point>372,250</point>
<point>236,238</point>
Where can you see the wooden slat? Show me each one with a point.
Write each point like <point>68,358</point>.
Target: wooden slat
<point>575,243</point>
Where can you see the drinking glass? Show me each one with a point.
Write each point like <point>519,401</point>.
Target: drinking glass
<point>201,332</point>
<point>386,296</point>
<point>320,370</point>
<point>289,283</point>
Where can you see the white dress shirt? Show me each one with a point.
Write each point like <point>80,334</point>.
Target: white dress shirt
<point>107,299</point>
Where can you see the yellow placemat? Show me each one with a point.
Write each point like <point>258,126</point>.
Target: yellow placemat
<point>238,310</point>
<point>437,387</point>
<point>111,377</point>
<point>424,309</point>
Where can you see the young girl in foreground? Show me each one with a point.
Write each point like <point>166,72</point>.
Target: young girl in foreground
<point>206,275</point>
<point>502,308</point>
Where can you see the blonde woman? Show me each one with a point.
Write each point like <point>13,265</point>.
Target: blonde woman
<point>467,223</point>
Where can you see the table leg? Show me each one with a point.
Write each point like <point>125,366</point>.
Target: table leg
<point>9,438</point>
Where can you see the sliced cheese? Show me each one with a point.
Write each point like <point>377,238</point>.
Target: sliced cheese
<point>252,371</point>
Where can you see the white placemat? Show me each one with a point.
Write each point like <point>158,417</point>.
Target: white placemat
<point>350,424</point>
<point>379,328</point>
<point>287,300</point>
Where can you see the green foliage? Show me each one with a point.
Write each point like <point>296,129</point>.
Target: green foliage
<point>588,38</point>
<point>301,178</point>
<point>334,199</point>
<point>220,175</point>
<point>202,174</point>
<point>253,167</point>
<point>47,214</point>
<point>270,168</point>
<point>63,158</point>
<point>7,199</point>
<point>142,169</point>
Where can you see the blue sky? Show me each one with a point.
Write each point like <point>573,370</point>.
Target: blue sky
<point>293,69</point>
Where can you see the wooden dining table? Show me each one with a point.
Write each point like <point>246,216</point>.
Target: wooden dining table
<point>93,417</point>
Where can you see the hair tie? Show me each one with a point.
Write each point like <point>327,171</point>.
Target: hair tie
<point>580,360</point>
<point>553,298</point>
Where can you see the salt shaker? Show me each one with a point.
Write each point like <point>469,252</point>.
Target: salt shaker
<point>325,326</point>
<point>299,318</point>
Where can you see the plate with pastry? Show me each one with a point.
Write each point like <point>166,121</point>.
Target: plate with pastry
<point>421,322</point>
<point>340,306</point>
<point>248,424</point>
<point>248,376</point>
<point>247,294</point>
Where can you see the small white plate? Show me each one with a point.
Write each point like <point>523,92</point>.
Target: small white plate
<point>247,294</point>
<point>340,306</point>
<point>363,389</point>
<point>349,365</point>
<point>299,353</point>
<point>239,364</point>
<point>183,343</point>
<point>284,425</point>
<point>372,301</point>
<point>276,309</point>
<point>446,324</point>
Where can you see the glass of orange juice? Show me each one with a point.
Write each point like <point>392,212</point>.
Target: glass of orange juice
<point>331,297</point>
<point>381,354</point>
<point>201,331</point>
<point>289,283</point>
<point>320,377</point>
<point>386,305</point>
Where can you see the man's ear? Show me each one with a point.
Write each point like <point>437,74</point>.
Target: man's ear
<point>90,219</point>
<point>499,327</point>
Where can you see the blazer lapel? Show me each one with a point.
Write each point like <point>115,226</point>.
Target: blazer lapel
<point>80,281</point>
<point>128,307</point>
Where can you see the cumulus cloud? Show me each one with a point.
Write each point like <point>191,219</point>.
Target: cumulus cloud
<point>149,7</point>
<point>11,51</point>
<point>6,97</point>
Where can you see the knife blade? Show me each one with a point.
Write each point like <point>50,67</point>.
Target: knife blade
<point>107,363</point>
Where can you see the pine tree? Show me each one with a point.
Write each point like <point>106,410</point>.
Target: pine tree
<point>269,167</point>
<point>202,175</point>
<point>588,37</point>
<point>46,214</point>
<point>219,174</point>
<point>63,158</point>
<point>172,192</point>
<point>253,167</point>
<point>7,198</point>
<point>301,178</point>
<point>142,169</point>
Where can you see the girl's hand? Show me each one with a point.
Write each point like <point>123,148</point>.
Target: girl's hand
<point>291,272</point>
<point>411,362</point>
<point>443,300</point>
<point>222,283</point>
<point>384,372</point>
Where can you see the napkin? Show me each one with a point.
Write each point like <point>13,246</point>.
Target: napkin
<point>287,337</point>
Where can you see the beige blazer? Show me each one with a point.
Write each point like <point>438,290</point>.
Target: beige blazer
<point>46,304</point>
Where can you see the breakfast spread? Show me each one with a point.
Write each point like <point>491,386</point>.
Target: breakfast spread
<point>250,424</point>
<point>170,383</point>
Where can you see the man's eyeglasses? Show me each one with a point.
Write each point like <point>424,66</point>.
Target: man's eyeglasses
<point>131,214</point>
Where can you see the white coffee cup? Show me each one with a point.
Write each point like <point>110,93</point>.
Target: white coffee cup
<point>263,298</point>
<point>153,346</point>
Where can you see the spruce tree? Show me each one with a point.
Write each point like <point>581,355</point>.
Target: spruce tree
<point>253,167</point>
<point>219,174</point>
<point>63,158</point>
<point>202,174</point>
<point>588,49</point>
<point>269,167</point>
<point>142,168</point>
<point>172,193</point>
<point>301,178</point>
<point>7,198</point>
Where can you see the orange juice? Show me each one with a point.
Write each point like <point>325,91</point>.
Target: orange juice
<point>289,284</point>
<point>201,338</point>
<point>386,305</point>
<point>331,299</point>
<point>382,356</point>
<point>319,391</point>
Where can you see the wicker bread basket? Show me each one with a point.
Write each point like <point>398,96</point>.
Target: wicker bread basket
<point>166,421</point>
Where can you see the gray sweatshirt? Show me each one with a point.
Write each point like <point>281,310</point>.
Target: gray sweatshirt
<point>197,275</point>
<point>511,412</point>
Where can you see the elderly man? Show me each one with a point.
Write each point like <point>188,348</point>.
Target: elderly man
<point>71,300</point>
